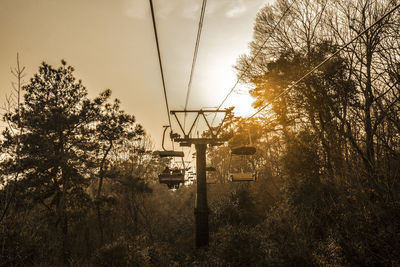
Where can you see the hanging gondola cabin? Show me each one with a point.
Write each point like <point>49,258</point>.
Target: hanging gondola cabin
<point>240,168</point>
<point>174,173</point>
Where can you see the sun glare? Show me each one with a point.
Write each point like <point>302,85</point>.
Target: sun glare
<point>223,79</point>
<point>242,104</point>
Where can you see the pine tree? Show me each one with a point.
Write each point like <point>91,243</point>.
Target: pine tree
<point>65,140</point>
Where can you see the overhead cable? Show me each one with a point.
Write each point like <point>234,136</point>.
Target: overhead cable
<point>160,63</point>
<point>203,8</point>
<point>255,56</point>
<point>326,60</point>
<point>196,49</point>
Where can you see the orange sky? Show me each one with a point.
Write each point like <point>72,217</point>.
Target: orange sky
<point>110,43</point>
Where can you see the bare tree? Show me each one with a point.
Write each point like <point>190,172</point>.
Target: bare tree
<point>13,101</point>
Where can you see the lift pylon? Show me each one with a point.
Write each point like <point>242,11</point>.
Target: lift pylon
<point>201,205</point>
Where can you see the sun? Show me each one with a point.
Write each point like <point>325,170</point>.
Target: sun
<point>240,98</point>
<point>218,80</point>
<point>242,103</point>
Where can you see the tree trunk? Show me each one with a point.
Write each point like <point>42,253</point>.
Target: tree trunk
<point>98,201</point>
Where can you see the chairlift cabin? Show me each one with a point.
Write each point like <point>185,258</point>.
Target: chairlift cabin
<point>240,169</point>
<point>173,174</point>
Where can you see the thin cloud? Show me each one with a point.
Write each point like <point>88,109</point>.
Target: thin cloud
<point>234,8</point>
<point>238,9</point>
<point>137,9</point>
<point>165,8</point>
<point>191,9</point>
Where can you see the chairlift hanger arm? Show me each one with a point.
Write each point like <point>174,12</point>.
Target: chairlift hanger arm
<point>251,143</point>
<point>163,138</point>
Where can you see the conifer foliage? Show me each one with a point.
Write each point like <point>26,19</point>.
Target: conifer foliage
<point>61,147</point>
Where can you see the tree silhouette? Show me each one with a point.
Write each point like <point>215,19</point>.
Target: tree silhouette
<point>64,141</point>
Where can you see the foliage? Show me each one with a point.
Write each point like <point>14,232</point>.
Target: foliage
<point>80,181</point>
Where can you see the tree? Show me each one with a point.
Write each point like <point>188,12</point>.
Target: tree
<point>63,144</point>
<point>338,126</point>
<point>55,154</point>
<point>113,128</point>
<point>13,101</point>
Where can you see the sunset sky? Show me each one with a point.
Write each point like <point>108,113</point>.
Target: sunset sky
<point>110,43</point>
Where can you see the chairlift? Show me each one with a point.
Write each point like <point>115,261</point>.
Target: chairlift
<point>239,168</point>
<point>239,156</point>
<point>173,174</point>
<point>211,169</point>
<point>170,153</point>
<point>172,178</point>
<point>211,178</point>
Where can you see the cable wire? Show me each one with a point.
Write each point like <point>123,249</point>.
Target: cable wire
<point>326,60</point>
<point>160,63</point>
<point>196,49</point>
<point>254,57</point>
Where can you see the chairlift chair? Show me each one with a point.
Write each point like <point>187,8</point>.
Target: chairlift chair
<point>172,177</point>
<point>245,173</point>
<point>241,154</point>
<point>211,180</point>
<point>211,169</point>
<point>170,153</point>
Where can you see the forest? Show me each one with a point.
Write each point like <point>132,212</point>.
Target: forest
<point>79,179</point>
